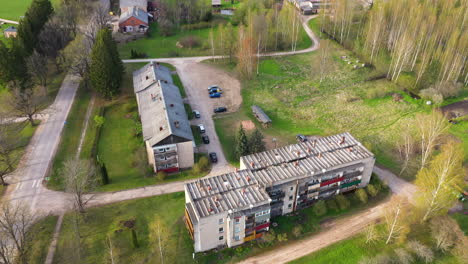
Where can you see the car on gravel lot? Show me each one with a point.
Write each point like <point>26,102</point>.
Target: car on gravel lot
<point>215,95</point>
<point>215,90</point>
<point>220,109</point>
<point>205,139</point>
<point>196,113</point>
<point>213,87</point>
<point>213,157</point>
<point>201,128</point>
<point>301,138</point>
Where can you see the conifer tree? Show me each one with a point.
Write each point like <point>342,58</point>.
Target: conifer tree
<point>256,142</point>
<point>242,144</point>
<point>106,67</point>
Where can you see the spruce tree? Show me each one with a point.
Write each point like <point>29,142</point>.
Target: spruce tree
<point>106,68</point>
<point>105,176</point>
<point>31,25</point>
<point>256,142</point>
<point>242,144</point>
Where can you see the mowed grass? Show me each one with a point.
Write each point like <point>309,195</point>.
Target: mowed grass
<point>100,223</point>
<point>158,46</point>
<point>41,234</point>
<point>14,9</point>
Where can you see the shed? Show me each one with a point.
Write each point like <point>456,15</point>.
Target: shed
<point>260,115</point>
<point>216,3</point>
<point>11,31</point>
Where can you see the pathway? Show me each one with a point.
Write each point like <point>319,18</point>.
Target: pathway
<point>9,21</point>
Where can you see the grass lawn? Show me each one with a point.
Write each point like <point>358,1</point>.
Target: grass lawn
<point>14,9</point>
<point>42,235</point>
<point>107,221</point>
<point>158,46</point>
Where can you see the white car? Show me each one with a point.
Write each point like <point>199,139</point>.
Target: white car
<point>202,128</point>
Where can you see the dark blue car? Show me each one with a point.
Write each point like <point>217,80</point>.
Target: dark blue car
<point>215,95</point>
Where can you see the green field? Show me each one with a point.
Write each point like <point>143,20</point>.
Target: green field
<point>14,9</point>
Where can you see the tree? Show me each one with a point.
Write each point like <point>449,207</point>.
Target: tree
<point>99,20</point>
<point>112,252</point>
<point>31,25</point>
<point>159,237</point>
<point>319,208</point>
<point>422,251</point>
<point>53,39</point>
<point>440,181</point>
<point>342,201</point>
<point>15,240</point>
<point>430,128</point>
<point>37,68</point>
<point>9,142</point>
<point>242,144</point>
<point>104,175</point>
<point>372,190</point>
<point>395,220</point>
<point>161,175</point>
<point>297,231</point>
<point>25,101</point>
<point>13,69</point>
<point>445,232</point>
<point>106,68</point>
<point>228,41</point>
<point>361,195</point>
<point>403,256</point>
<point>246,54</point>
<point>406,146</point>
<point>79,180</point>
<point>371,233</point>
<point>324,65</point>
<point>256,142</point>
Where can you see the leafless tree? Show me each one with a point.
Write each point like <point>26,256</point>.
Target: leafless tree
<point>37,68</point>
<point>15,240</point>
<point>159,238</point>
<point>406,148</point>
<point>112,254</point>
<point>403,256</point>
<point>371,233</point>
<point>422,251</point>
<point>9,142</point>
<point>79,180</point>
<point>76,57</point>
<point>25,102</point>
<point>445,232</point>
<point>99,20</point>
<point>395,220</point>
<point>430,129</point>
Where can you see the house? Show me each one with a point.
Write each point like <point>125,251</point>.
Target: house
<point>261,116</point>
<point>134,20</point>
<point>10,32</point>
<point>166,130</point>
<point>126,5</point>
<point>233,208</point>
<point>216,3</point>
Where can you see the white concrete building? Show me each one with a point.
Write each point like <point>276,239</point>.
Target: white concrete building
<point>230,209</point>
<point>166,129</point>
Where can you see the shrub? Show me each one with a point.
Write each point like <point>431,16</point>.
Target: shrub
<point>432,94</point>
<point>166,27</point>
<point>331,205</point>
<point>282,237</point>
<point>203,163</point>
<point>320,208</point>
<point>161,175</point>
<point>173,53</point>
<point>449,89</point>
<point>422,251</point>
<point>297,231</point>
<point>376,93</point>
<point>137,55</point>
<point>361,195</point>
<point>403,256</point>
<point>372,190</point>
<point>190,41</point>
<point>200,25</point>
<point>343,202</point>
<point>345,97</point>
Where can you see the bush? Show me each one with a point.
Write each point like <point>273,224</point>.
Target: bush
<point>372,190</point>
<point>137,55</point>
<point>331,205</point>
<point>297,231</point>
<point>282,237</point>
<point>432,94</point>
<point>173,53</point>
<point>200,25</point>
<point>361,195</point>
<point>166,27</point>
<point>449,89</point>
<point>161,175</point>
<point>422,251</point>
<point>190,41</point>
<point>343,202</point>
<point>403,256</point>
<point>320,208</point>
<point>203,163</point>
<point>376,93</point>
<point>346,97</point>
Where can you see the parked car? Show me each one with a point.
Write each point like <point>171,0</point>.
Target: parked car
<point>301,138</point>
<point>201,128</point>
<point>215,90</point>
<point>213,157</point>
<point>205,139</point>
<point>220,109</point>
<point>196,113</point>
<point>215,95</point>
<point>212,87</point>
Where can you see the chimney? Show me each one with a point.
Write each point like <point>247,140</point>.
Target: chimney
<point>236,170</point>
<point>147,77</point>
<point>296,163</point>
<point>176,123</point>
<point>298,153</point>
<point>320,155</point>
<point>314,143</point>
<point>172,105</point>
<point>161,128</point>
<point>309,150</point>
<point>343,139</point>
<point>248,178</point>
<point>209,188</point>
<point>252,164</point>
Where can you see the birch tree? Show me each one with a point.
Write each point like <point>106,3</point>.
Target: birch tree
<point>429,129</point>
<point>395,220</point>
<point>79,180</point>
<point>440,181</point>
<point>159,237</point>
<point>406,146</point>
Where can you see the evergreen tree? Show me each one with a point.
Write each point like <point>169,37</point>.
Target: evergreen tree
<point>105,176</point>
<point>135,239</point>
<point>13,68</point>
<point>106,68</point>
<point>242,144</point>
<point>31,25</point>
<point>256,142</point>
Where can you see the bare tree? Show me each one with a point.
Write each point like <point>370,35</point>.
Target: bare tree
<point>9,142</point>
<point>76,57</point>
<point>324,58</point>
<point>371,233</point>
<point>99,20</point>
<point>25,102</point>
<point>445,232</point>
<point>112,254</point>
<point>404,257</point>
<point>37,68</point>
<point>422,251</point>
<point>406,148</point>
<point>396,225</point>
<point>15,240</point>
<point>79,180</point>
<point>158,236</point>
<point>430,128</point>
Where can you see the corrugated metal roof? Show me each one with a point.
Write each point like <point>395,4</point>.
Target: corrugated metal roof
<point>291,162</point>
<point>261,116</point>
<point>160,105</point>
<point>130,3</point>
<point>134,12</point>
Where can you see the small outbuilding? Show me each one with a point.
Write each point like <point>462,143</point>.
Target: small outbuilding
<point>261,116</point>
<point>134,20</point>
<point>216,3</point>
<point>10,32</point>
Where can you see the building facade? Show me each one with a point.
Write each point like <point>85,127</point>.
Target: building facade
<point>231,209</point>
<point>166,130</point>
<point>134,20</point>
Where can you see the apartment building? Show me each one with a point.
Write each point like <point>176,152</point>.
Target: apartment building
<point>166,130</point>
<point>233,208</point>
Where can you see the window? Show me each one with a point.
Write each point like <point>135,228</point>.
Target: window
<point>221,221</point>
<point>221,229</point>
<point>290,198</point>
<point>221,238</point>
<point>237,220</point>
<point>237,229</point>
<point>237,238</point>
<point>291,188</point>
<point>289,205</point>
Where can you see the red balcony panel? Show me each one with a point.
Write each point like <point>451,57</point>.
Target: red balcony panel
<point>331,181</point>
<point>169,170</point>
<point>262,226</point>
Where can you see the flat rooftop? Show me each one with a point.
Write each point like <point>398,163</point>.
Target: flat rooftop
<point>244,188</point>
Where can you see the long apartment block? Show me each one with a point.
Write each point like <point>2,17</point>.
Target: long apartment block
<point>233,208</point>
